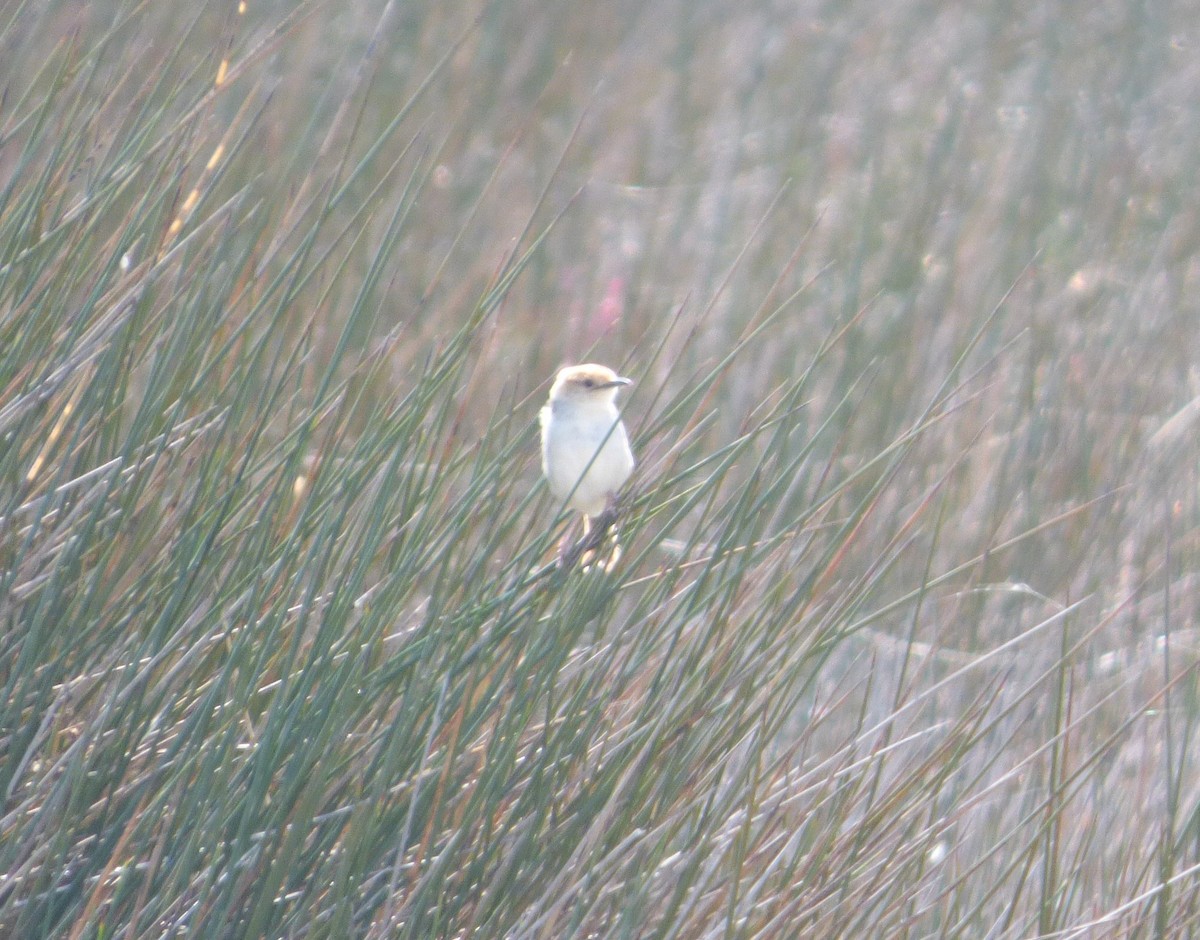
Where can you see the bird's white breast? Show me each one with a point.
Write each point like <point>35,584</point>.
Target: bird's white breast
<point>585,450</point>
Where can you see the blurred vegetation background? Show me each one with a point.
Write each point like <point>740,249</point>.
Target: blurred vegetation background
<point>904,642</point>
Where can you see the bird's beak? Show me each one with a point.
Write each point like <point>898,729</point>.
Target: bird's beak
<point>619,380</point>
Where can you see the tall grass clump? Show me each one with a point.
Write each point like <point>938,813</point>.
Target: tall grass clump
<point>903,640</point>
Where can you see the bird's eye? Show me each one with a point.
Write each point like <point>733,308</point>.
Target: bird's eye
<point>589,383</point>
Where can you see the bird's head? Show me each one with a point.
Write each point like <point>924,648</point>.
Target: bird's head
<point>587,383</point>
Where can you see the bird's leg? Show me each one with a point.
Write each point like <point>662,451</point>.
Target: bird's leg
<point>589,551</point>
<point>571,550</point>
<point>610,523</point>
<point>595,533</point>
<point>587,548</point>
<point>567,548</point>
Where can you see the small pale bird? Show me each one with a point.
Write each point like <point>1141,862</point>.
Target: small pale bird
<point>585,450</point>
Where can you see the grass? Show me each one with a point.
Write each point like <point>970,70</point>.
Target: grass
<point>903,639</point>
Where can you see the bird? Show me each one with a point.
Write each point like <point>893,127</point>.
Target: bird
<point>585,450</point>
